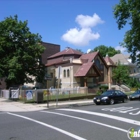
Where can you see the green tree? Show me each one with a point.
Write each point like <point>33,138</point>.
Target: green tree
<point>20,52</point>
<point>133,82</point>
<point>127,12</point>
<point>120,74</point>
<point>104,50</point>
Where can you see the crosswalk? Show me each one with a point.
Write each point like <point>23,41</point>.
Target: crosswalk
<point>67,122</point>
<point>129,110</point>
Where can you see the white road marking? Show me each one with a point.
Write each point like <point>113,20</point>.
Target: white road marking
<point>135,113</point>
<point>105,115</point>
<point>123,110</point>
<point>95,122</point>
<point>128,110</point>
<point>50,126</point>
<point>116,109</point>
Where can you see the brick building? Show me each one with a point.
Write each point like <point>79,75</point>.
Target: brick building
<point>51,49</point>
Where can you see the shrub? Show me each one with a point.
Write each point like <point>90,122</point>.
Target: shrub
<point>103,87</point>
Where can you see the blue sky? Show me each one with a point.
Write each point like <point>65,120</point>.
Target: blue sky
<point>79,24</point>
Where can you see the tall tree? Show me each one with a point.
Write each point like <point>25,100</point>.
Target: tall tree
<point>120,74</point>
<point>128,12</point>
<point>20,52</point>
<point>104,50</point>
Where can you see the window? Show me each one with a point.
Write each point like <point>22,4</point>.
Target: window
<point>51,75</point>
<point>101,78</point>
<point>97,63</point>
<point>68,73</point>
<point>101,67</point>
<point>64,73</point>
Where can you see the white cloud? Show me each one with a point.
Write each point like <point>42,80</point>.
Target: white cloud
<point>88,21</point>
<point>122,49</point>
<point>80,37</point>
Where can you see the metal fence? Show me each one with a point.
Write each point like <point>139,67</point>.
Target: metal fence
<point>44,95</point>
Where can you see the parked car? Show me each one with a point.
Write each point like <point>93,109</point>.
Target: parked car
<point>110,97</point>
<point>135,95</point>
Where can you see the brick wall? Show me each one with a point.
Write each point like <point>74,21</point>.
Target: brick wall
<point>51,49</point>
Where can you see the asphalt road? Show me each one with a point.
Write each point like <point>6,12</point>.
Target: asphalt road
<point>103,122</point>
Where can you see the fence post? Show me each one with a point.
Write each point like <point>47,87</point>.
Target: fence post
<point>57,93</point>
<point>69,94</point>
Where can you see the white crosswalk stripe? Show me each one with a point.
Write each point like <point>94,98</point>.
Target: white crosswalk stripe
<point>126,120</point>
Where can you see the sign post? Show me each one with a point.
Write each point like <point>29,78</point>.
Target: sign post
<point>58,84</point>
<point>48,93</point>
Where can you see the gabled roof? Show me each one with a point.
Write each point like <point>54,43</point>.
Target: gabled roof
<point>109,61</point>
<point>67,51</point>
<point>88,62</point>
<point>89,56</point>
<point>120,57</point>
<point>83,70</point>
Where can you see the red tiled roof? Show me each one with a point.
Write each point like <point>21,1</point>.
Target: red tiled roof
<point>68,51</point>
<point>89,56</point>
<point>58,62</point>
<point>83,70</point>
<point>108,60</point>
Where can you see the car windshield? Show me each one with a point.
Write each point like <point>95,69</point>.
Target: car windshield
<point>107,93</point>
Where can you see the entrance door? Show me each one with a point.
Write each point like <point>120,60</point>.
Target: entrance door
<point>82,81</point>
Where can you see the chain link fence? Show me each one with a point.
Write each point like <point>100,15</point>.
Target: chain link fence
<point>45,95</point>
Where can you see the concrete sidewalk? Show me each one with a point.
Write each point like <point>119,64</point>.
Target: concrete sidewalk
<point>16,106</point>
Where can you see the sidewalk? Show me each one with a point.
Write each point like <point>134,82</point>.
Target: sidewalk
<point>15,106</point>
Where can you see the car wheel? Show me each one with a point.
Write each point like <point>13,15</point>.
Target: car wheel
<point>124,100</point>
<point>112,101</point>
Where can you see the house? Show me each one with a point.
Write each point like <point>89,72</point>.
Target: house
<point>111,65</point>
<point>126,60</point>
<point>70,68</point>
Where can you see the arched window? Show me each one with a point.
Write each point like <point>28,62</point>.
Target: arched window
<point>68,73</point>
<point>64,73</point>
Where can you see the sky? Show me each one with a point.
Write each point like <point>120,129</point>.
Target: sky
<point>79,24</point>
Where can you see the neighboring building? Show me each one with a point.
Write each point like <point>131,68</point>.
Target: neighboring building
<point>111,66</point>
<point>75,69</point>
<point>50,49</point>
<point>126,60</point>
